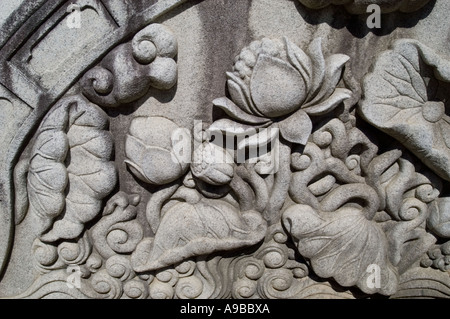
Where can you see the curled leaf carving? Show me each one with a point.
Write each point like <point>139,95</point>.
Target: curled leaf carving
<point>105,286</point>
<point>188,230</point>
<point>70,169</point>
<point>405,96</point>
<point>118,266</point>
<point>117,232</point>
<point>135,289</point>
<point>45,255</point>
<point>342,244</point>
<point>75,253</point>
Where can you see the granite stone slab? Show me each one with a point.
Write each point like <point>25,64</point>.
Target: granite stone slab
<point>214,149</point>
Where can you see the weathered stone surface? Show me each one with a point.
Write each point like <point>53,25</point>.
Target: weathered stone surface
<point>224,149</point>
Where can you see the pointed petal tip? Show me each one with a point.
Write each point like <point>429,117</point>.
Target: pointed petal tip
<point>341,58</point>
<point>339,95</point>
<point>237,113</point>
<point>296,128</point>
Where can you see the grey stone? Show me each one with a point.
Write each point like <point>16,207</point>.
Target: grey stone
<point>224,149</point>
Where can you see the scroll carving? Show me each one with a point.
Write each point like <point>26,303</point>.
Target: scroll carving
<point>128,72</point>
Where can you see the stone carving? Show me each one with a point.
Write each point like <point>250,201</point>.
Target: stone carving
<point>151,137</point>
<point>127,72</point>
<point>276,84</point>
<point>360,6</point>
<point>413,93</point>
<point>70,171</point>
<point>202,228</point>
<point>291,190</point>
<point>331,185</point>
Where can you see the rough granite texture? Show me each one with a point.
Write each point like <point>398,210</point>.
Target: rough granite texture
<point>224,149</point>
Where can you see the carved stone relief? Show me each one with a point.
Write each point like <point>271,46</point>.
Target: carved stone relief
<point>166,155</point>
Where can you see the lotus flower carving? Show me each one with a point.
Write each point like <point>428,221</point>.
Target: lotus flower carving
<point>275,84</point>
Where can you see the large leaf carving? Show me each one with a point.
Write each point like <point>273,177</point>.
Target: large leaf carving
<point>188,230</point>
<point>401,100</point>
<point>70,167</point>
<point>343,245</point>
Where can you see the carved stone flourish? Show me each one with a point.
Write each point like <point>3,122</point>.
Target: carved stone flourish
<point>127,72</point>
<point>292,188</point>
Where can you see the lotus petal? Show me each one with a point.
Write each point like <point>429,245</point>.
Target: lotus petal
<point>296,128</point>
<point>300,60</point>
<point>318,67</point>
<point>338,96</point>
<point>240,94</point>
<point>262,138</point>
<point>151,145</point>
<point>276,87</point>
<point>333,73</point>
<point>230,127</point>
<point>146,163</point>
<point>237,113</point>
<point>153,130</point>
